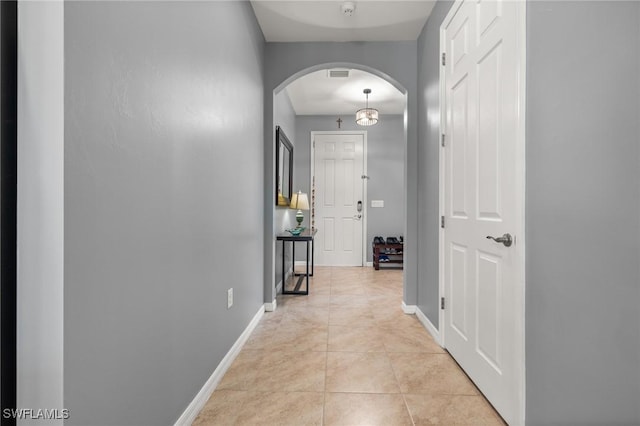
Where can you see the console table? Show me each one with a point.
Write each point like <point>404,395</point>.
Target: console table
<point>305,236</point>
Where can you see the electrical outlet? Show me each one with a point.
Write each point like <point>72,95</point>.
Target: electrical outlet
<point>229,298</point>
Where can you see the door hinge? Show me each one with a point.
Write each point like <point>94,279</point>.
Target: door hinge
<point>442,303</point>
<point>442,139</point>
<point>441,221</point>
<point>444,58</point>
<point>364,177</point>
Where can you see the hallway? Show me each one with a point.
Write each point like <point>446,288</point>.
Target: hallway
<point>345,355</point>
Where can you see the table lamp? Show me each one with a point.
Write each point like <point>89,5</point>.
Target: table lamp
<point>299,201</point>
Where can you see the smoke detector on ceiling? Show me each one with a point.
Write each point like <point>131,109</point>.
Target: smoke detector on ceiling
<point>348,8</point>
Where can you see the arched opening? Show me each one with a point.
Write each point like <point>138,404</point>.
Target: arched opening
<point>281,218</point>
<point>346,65</point>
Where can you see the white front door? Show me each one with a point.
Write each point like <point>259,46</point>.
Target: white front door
<point>339,191</point>
<point>483,158</point>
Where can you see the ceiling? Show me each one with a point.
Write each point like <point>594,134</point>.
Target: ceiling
<point>318,94</point>
<point>324,20</point>
<point>372,20</point>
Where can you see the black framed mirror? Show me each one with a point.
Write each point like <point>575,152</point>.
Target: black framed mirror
<point>284,168</point>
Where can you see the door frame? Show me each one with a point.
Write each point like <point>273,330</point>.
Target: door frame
<point>521,37</point>
<point>364,183</point>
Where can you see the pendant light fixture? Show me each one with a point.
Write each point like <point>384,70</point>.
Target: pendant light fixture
<point>367,116</point>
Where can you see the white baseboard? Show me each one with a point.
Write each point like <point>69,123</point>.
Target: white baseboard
<point>409,309</point>
<point>301,263</point>
<point>369,264</point>
<point>270,307</point>
<point>429,326</point>
<point>194,408</point>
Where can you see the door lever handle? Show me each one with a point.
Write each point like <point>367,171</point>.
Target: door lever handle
<point>505,239</point>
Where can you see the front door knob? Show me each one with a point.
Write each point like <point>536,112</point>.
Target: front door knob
<point>505,239</point>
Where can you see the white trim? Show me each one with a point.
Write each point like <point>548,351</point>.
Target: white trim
<point>442,164</point>
<point>433,331</point>
<point>40,226</point>
<point>370,264</point>
<point>408,309</point>
<point>441,204</point>
<point>521,162</point>
<point>365,200</point>
<point>271,307</point>
<point>364,183</point>
<point>194,408</point>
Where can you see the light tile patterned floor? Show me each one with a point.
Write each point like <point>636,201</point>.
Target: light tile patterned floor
<point>345,354</point>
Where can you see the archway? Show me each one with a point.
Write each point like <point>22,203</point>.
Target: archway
<point>349,65</point>
<point>271,217</point>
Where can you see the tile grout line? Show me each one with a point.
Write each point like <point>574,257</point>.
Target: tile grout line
<point>395,375</point>
<point>326,362</point>
<point>404,399</point>
<point>324,394</point>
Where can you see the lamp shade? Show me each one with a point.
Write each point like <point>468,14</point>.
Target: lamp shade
<point>367,116</point>
<point>299,201</point>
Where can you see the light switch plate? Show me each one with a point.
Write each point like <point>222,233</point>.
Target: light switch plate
<point>377,203</point>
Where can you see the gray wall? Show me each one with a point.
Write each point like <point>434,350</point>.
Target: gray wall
<point>385,168</point>
<point>40,207</point>
<point>163,138</point>
<point>284,217</point>
<point>428,163</point>
<point>583,213</point>
<point>394,60</point>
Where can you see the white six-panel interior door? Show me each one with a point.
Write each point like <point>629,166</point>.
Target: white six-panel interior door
<point>338,166</point>
<point>482,194</point>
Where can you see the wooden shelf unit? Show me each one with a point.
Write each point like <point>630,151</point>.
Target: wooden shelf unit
<point>395,259</point>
